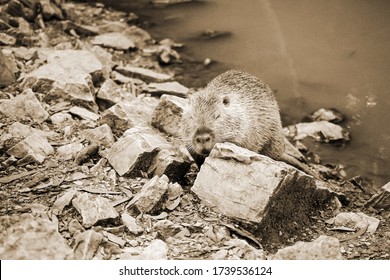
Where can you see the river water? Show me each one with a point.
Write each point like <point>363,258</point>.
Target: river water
<point>314,54</point>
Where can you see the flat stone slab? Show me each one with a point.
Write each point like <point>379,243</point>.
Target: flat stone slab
<point>84,113</point>
<point>171,88</point>
<point>115,40</point>
<point>142,73</point>
<point>256,189</point>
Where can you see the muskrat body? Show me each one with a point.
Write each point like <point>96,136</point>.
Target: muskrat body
<point>239,108</point>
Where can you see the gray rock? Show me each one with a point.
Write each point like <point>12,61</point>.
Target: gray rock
<point>33,146</point>
<point>4,25</point>
<point>24,105</point>
<point>84,113</point>
<point>119,78</point>
<point>118,118</point>
<point>382,199</point>
<point>172,162</point>
<point>322,131</point>
<point>62,201</point>
<point>174,194</point>
<point>6,39</point>
<point>142,73</point>
<point>25,53</point>
<point>69,151</point>
<point>67,76</point>
<point>131,224</point>
<point>166,228</point>
<point>242,250</point>
<point>102,135</point>
<point>7,76</point>
<point>156,250</point>
<point>94,209</point>
<point>86,244</point>
<point>114,40</point>
<point>60,118</point>
<point>111,93</point>
<point>323,248</point>
<point>22,131</point>
<point>139,36</point>
<point>75,59</point>
<point>104,56</point>
<point>149,198</point>
<point>167,116</point>
<point>254,188</point>
<point>330,115</point>
<point>123,116</point>
<point>171,88</point>
<point>81,29</point>
<point>134,152</point>
<point>25,237</point>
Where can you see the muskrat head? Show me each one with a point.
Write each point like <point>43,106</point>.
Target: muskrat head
<point>211,119</point>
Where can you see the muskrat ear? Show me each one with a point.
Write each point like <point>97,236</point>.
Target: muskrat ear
<point>226,101</point>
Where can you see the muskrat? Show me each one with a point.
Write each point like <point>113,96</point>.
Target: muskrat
<point>239,108</point>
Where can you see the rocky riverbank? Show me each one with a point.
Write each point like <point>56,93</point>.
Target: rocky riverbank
<point>93,167</point>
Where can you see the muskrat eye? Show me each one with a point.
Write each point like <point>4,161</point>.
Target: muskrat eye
<point>226,101</point>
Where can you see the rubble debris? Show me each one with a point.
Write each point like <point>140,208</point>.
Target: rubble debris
<point>24,105</point>
<point>381,200</point>
<point>25,237</point>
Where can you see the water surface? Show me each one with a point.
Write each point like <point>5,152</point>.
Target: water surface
<point>314,54</point>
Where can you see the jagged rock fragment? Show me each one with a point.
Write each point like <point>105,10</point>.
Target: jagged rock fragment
<point>134,152</point>
<point>167,115</point>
